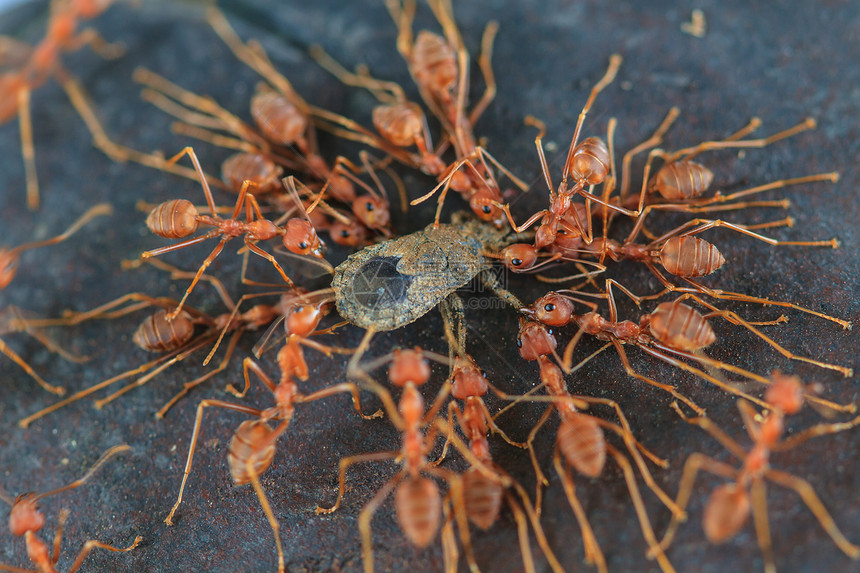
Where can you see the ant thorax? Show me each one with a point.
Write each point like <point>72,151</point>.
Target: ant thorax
<point>391,284</point>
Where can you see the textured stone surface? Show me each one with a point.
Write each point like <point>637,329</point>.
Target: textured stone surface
<point>781,62</point>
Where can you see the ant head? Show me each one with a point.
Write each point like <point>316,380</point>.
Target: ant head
<point>25,515</point>
<point>303,318</point>
<point>553,309</point>
<point>409,366</point>
<point>372,211</point>
<point>352,234</point>
<point>786,393</point>
<point>469,380</point>
<point>535,340</point>
<point>301,238</point>
<point>485,206</point>
<point>519,256</point>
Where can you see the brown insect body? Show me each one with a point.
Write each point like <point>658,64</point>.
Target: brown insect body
<point>682,180</point>
<point>687,256</point>
<point>391,284</point>
<point>264,173</point>
<point>679,326</point>
<point>278,118</point>
<point>157,334</point>
<point>253,444</point>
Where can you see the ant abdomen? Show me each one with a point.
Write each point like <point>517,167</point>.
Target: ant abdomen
<point>251,446</point>
<point>687,256</point>
<point>681,327</point>
<point>278,118</point>
<point>582,443</point>
<point>399,123</point>
<point>264,173</point>
<point>157,334</point>
<point>419,509</point>
<point>726,512</point>
<point>434,63</point>
<point>682,180</point>
<point>482,497</point>
<point>173,219</point>
<point>590,161</point>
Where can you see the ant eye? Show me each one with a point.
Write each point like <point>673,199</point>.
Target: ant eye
<point>344,233</point>
<point>303,245</point>
<point>298,309</point>
<point>369,206</point>
<point>549,307</point>
<point>486,209</point>
<point>484,374</point>
<point>516,262</point>
<point>519,343</point>
<point>549,331</point>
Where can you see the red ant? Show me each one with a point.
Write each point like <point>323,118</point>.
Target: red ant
<point>179,218</point>
<point>175,339</point>
<point>401,123</point>
<point>253,445</point>
<point>672,330</point>
<point>729,506</point>
<point>9,266</point>
<point>26,519</point>
<point>259,163</point>
<point>40,63</point>
<point>482,494</point>
<point>582,445</point>
<point>418,501</point>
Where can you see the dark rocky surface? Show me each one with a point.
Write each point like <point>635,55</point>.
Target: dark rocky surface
<point>780,61</point>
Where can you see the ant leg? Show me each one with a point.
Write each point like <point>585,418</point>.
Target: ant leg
<point>267,509</point>
<point>337,389</point>
<point>552,560</point>
<point>813,432</point>
<point>21,324</point>
<point>694,463</point>
<point>716,432</point>
<point>25,422</point>
<point>231,347</point>
<point>541,478</point>
<point>485,63</point>
<point>665,387</point>
<point>196,434</point>
<point>452,409</point>
<point>367,514</point>
<point>344,464</point>
<point>593,554</point>
<point>92,544</point>
<point>107,455</point>
<point>807,124</point>
<point>659,351</point>
<point>99,404</point>
<point>450,553</point>
<point>491,281</point>
<point>484,154</point>
<point>25,121</point>
<point>258,251</point>
<point>455,491</point>
<point>608,78</point>
<point>734,318</point>
<point>833,177</point>
<point>807,494</point>
<point>728,295</point>
<point>5,349</point>
<point>91,37</point>
<point>655,139</point>
<point>644,522</point>
<point>208,261</point>
<point>758,494</point>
